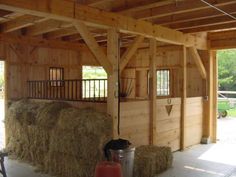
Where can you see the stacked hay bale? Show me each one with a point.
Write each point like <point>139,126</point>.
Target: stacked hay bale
<point>151,160</point>
<point>59,139</point>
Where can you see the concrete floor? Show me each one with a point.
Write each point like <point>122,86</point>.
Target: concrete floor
<point>214,160</point>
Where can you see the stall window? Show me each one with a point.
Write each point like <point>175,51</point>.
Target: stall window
<point>163,82</point>
<point>56,75</point>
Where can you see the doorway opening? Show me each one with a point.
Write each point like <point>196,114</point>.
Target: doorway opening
<point>226,123</point>
<point>2,105</point>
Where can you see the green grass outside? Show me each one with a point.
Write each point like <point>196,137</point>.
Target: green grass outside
<point>232,112</point>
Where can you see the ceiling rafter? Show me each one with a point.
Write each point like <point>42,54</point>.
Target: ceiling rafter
<point>70,31</point>
<point>45,27</point>
<point>71,12</point>
<point>180,7</point>
<point>142,5</point>
<point>202,22</point>
<point>230,25</point>
<point>61,33</point>
<point>190,16</point>
<point>18,23</point>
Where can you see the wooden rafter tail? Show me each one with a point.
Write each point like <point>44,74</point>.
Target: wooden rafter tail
<point>94,47</point>
<point>130,52</point>
<point>198,61</point>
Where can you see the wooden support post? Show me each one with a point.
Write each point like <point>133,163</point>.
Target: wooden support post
<point>153,91</point>
<point>215,95</point>
<point>183,98</point>
<point>209,100</point>
<point>113,78</point>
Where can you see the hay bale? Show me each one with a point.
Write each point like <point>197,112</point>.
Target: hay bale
<point>61,140</point>
<point>151,160</point>
<point>48,115</point>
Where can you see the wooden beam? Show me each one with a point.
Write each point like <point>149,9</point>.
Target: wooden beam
<point>203,22</point>
<point>214,95</point>
<point>4,13</point>
<point>222,35</point>
<point>11,39</point>
<point>61,32</point>
<point>179,7</point>
<point>93,46</point>
<point>195,15</point>
<point>133,6</point>
<point>130,52</point>
<point>153,91</point>
<point>96,2</point>
<point>45,27</point>
<point>209,101</point>
<point>229,43</point>
<point>18,23</point>
<point>183,98</point>
<point>197,59</point>
<point>73,12</point>
<point>222,40</point>
<point>113,79</point>
<point>228,26</point>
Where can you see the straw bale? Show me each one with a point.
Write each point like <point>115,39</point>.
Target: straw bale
<point>48,115</point>
<point>59,139</point>
<point>151,160</point>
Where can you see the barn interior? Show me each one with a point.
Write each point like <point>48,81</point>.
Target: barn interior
<point>161,85</point>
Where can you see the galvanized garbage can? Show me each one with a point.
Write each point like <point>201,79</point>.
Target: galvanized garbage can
<point>126,158</point>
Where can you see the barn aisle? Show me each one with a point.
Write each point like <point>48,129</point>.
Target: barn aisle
<point>18,169</point>
<point>214,160</point>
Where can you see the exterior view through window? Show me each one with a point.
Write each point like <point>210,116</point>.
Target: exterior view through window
<point>163,82</point>
<point>94,82</point>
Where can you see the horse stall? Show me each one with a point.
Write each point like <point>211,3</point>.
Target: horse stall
<point>159,90</point>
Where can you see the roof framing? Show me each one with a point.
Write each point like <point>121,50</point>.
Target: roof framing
<point>222,40</point>
<point>73,12</point>
<point>181,7</point>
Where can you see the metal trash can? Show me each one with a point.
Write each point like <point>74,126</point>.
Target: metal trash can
<point>126,158</point>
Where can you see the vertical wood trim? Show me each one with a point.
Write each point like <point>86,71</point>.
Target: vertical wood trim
<point>208,103</point>
<point>153,91</point>
<point>6,76</point>
<point>215,95</point>
<point>113,78</point>
<point>183,98</point>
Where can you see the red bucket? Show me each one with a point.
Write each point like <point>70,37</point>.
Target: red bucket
<point>108,169</point>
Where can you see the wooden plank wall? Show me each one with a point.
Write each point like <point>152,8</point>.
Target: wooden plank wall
<point>168,126</point>
<point>166,59</point>
<point>134,122</point>
<point>25,62</point>
<point>194,121</point>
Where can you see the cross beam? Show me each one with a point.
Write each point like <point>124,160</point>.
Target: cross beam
<point>73,12</point>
